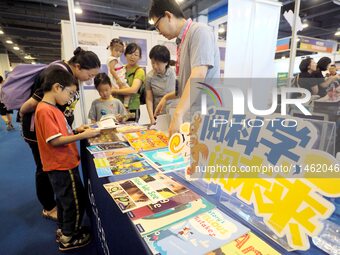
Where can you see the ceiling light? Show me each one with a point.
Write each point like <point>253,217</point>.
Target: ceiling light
<point>29,57</point>
<point>305,24</point>
<point>1,32</point>
<point>33,62</point>
<point>283,57</point>
<point>16,48</point>
<point>77,8</point>
<point>9,42</point>
<point>179,1</point>
<point>337,33</point>
<point>221,29</point>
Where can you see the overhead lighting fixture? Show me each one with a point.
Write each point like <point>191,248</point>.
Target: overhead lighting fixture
<point>29,57</point>
<point>9,42</point>
<point>1,32</point>
<point>283,57</point>
<point>221,29</point>
<point>33,62</point>
<point>305,24</point>
<point>337,33</point>
<point>151,22</point>
<point>77,8</point>
<point>16,48</point>
<point>179,1</point>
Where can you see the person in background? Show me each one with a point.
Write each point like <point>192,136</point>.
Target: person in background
<point>116,69</point>
<point>323,84</point>
<point>84,65</point>
<point>305,79</point>
<point>106,104</point>
<point>6,115</point>
<point>160,82</point>
<point>197,53</point>
<point>135,76</point>
<point>60,157</point>
<point>331,71</point>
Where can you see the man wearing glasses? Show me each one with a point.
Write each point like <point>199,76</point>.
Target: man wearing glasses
<point>197,52</point>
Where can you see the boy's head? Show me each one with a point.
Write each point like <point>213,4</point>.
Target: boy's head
<point>61,84</point>
<point>307,64</point>
<point>165,15</point>
<point>116,47</point>
<point>103,85</point>
<point>332,69</point>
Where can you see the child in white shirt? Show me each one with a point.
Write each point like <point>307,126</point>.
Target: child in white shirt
<point>116,69</point>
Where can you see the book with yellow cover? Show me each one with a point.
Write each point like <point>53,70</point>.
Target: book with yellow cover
<point>147,140</point>
<point>247,244</point>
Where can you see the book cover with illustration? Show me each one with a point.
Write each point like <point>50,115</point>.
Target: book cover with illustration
<point>247,244</point>
<point>107,147</point>
<point>154,222</point>
<point>163,205</point>
<point>137,192</point>
<point>164,160</point>
<point>120,165</point>
<point>147,140</point>
<point>197,235</point>
<point>106,136</point>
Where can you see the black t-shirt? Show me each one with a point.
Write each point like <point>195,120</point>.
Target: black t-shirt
<point>320,78</point>
<point>37,93</point>
<point>307,81</point>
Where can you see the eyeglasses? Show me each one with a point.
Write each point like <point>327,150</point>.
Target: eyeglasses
<point>71,93</point>
<point>157,21</point>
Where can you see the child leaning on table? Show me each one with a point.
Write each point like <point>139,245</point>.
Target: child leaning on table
<point>106,104</point>
<point>60,158</point>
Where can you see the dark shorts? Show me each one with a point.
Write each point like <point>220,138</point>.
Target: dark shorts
<point>3,110</point>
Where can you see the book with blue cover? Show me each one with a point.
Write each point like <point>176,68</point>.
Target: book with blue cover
<point>154,222</point>
<point>196,235</point>
<point>164,160</point>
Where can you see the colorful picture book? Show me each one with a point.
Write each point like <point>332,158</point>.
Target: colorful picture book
<point>106,147</point>
<point>121,165</point>
<point>147,140</point>
<point>106,136</point>
<point>163,205</point>
<point>196,235</point>
<point>248,243</point>
<point>154,222</point>
<point>164,160</point>
<point>137,192</point>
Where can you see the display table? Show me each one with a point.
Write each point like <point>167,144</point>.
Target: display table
<point>114,232</point>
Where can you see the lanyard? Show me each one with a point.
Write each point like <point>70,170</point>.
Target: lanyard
<point>180,46</point>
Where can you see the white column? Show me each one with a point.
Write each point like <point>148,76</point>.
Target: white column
<point>252,34</point>
<point>4,64</point>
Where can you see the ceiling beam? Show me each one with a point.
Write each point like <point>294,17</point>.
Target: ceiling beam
<point>121,10</point>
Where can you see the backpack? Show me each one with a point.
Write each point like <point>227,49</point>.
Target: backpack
<point>17,87</point>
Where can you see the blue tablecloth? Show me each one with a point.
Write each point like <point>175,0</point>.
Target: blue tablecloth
<point>115,233</point>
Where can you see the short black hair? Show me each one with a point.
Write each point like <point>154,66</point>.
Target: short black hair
<point>131,48</point>
<point>159,7</point>
<point>323,63</point>
<point>101,78</point>
<point>305,64</point>
<point>57,74</point>
<point>160,53</point>
<point>85,58</point>
<point>1,79</point>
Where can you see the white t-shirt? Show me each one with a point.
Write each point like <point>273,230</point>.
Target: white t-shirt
<point>120,70</point>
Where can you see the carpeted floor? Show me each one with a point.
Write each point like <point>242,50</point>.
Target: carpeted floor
<point>22,229</point>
